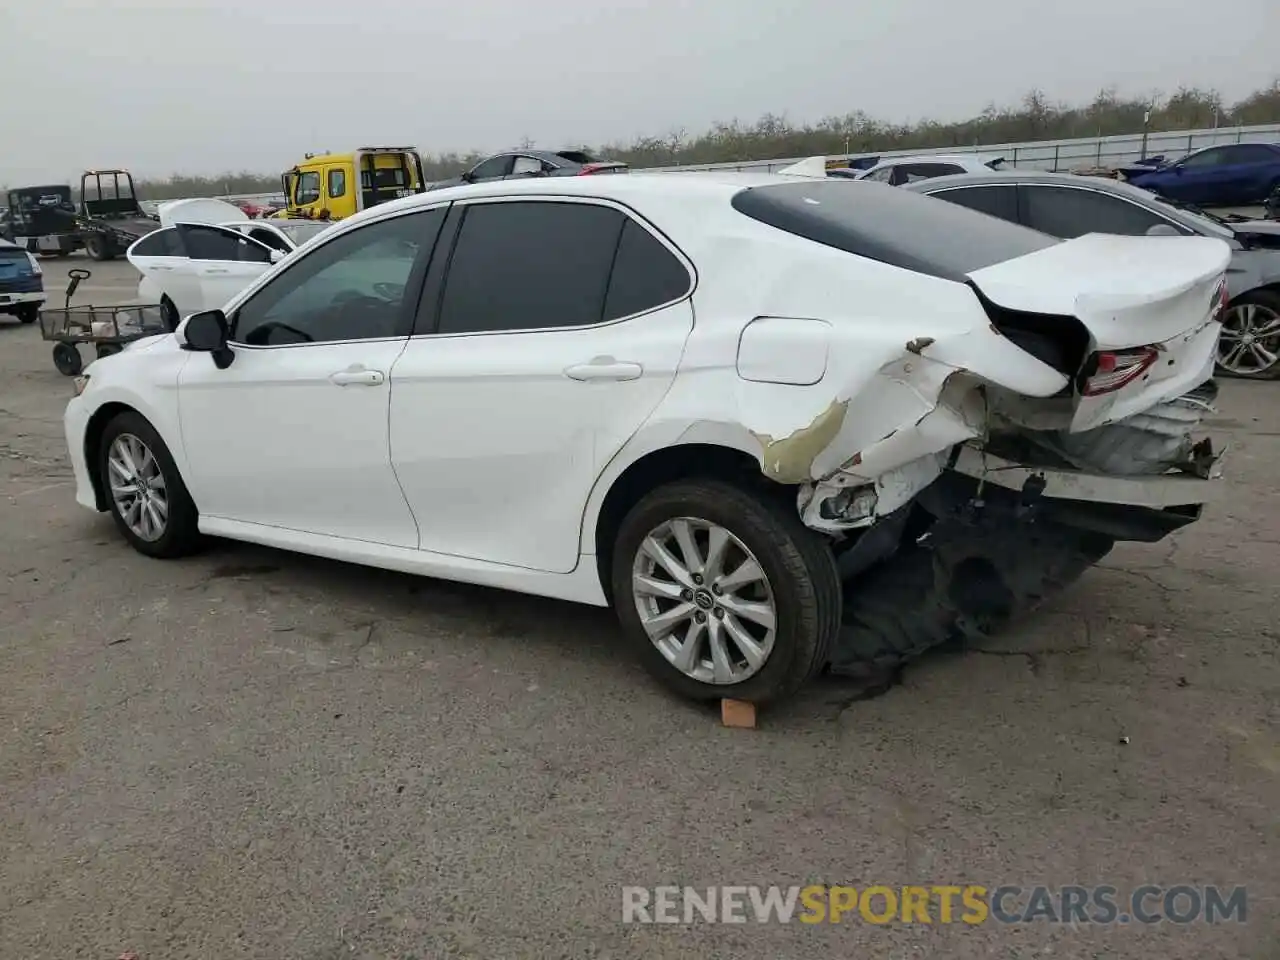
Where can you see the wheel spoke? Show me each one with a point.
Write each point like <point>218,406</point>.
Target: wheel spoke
<point>649,587</point>
<point>686,658</point>
<point>683,533</point>
<point>721,665</point>
<point>660,624</point>
<point>761,613</point>
<point>717,547</point>
<point>1264,356</point>
<point>664,558</point>
<point>751,651</point>
<point>1269,329</point>
<point>748,572</point>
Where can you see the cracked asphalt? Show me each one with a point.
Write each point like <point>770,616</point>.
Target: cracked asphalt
<point>254,754</point>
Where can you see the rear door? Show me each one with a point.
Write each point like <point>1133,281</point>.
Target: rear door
<point>225,261</point>
<point>555,333</point>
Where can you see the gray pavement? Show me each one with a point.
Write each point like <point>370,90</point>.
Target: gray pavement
<point>254,754</point>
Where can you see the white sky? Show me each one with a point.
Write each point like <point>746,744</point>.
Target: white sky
<point>205,86</point>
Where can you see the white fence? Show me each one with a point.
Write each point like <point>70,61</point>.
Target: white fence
<point>1059,155</point>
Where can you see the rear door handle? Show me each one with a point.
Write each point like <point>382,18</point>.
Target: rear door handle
<point>604,368</point>
<point>216,270</point>
<point>358,378</point>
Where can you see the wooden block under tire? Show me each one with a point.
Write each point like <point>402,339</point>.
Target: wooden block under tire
<point>738,713</point>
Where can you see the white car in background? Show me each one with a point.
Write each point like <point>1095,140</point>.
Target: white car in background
<point>899,170</point>
<point>777,422</point>
<point>207,251</point>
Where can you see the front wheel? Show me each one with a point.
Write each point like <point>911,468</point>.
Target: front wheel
<point>148,499</point>
<point>1249,346</point>
<point>724,593</point>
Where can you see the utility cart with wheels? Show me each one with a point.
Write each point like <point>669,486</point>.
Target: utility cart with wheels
<point>107,328</point>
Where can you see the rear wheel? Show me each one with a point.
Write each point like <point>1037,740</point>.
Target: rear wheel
<point>29,312</point>
<point>1249,347</point>
<point>723,593</point>
<point>67,359</point>
<point>148,499</point>
<point>169,313</point>
<point>98,247</point>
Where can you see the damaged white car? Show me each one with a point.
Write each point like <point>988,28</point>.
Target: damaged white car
<point>780,425</point>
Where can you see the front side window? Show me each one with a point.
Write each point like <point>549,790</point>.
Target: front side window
<point>308,187</point>
<point>1206,158</point>
<point>880,176</point>
<point>211,243</point>
<point>350,288</point>
<point>1070,213</point>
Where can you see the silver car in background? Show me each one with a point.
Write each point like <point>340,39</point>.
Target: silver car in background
<point>1068,206</point>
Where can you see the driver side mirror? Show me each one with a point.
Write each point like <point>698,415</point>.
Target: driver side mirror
<point>1163,230</point>
<point>277,256</point>
<point>207,332</point>
<point>468,177</point>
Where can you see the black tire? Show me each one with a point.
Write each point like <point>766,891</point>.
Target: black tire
<point>29,312</point>
<point>67,359</point>
<point>1270,300</point>
<point>169,313</point>
<point>98,247</point>
<point>107,349</point>
<point>62,253</point>
<point>181,534</point>
<point>799,566</point>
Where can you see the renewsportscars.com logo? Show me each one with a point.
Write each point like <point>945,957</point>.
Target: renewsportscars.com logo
<point>970,904</point>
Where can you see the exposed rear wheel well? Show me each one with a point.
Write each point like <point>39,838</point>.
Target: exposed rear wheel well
<point>664,466</point>
<point>93,447</point>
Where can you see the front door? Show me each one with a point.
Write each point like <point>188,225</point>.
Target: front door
<point>224,261</point>
<point>559,329</point>
<point>293,434</point>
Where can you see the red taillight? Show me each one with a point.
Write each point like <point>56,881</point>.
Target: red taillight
<point>1114,369</point>
<point>590,168</point>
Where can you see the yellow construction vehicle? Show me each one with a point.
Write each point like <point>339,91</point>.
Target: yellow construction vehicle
<point>330,186</point>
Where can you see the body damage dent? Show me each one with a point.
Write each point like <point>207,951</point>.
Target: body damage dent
<point>905,420</point>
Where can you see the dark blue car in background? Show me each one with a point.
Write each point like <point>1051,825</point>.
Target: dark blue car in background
<point>1233,174</point>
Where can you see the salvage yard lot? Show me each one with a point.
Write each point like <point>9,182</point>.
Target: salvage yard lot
<point>253,754</point>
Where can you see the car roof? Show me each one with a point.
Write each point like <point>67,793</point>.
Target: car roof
<point>979,158</point>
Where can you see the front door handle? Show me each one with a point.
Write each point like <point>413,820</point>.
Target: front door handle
<point>358,378</point>
<point>604,368</point>
<point>216,270</point>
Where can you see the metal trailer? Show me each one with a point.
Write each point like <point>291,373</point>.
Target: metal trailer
<point>107,328</point>
<point>42,219</point>
<point>110,217</point>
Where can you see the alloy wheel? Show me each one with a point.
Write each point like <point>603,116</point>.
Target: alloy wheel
<point>704,600</point>
<point>1250,339</point>
<point>138,487</point>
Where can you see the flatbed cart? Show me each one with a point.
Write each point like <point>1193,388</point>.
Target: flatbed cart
<point>107,328</point>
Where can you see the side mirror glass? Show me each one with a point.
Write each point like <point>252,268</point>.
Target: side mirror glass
<point>1163,230</point>
<point>277,256</point>
<point>207,333</point>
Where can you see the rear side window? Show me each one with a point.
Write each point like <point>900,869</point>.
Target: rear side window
<point>1252,153</point>
<point>162,243</point>
<point>896,227</point>
<point>211,243</point>
<point>531,265</point>
<point>911,172</point>
<point>1069,213</point>
<point>645,274</point>
<point>999,202</point>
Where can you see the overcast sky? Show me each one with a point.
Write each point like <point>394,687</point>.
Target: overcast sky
<point>203,86</point>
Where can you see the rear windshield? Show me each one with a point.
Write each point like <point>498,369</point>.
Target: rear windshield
<point>891,225</point>
<point>8,253</point>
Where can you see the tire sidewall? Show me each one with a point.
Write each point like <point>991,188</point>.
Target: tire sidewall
<point>793,642</point>
<point>177,533</point>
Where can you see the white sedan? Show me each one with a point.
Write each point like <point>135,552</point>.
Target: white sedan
<point>704,400</point>
<point>207,251</point>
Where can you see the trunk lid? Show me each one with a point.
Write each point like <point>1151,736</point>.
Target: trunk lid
<point>1150,306</point>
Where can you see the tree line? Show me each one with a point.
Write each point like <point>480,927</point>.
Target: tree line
<point>772,137</point>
